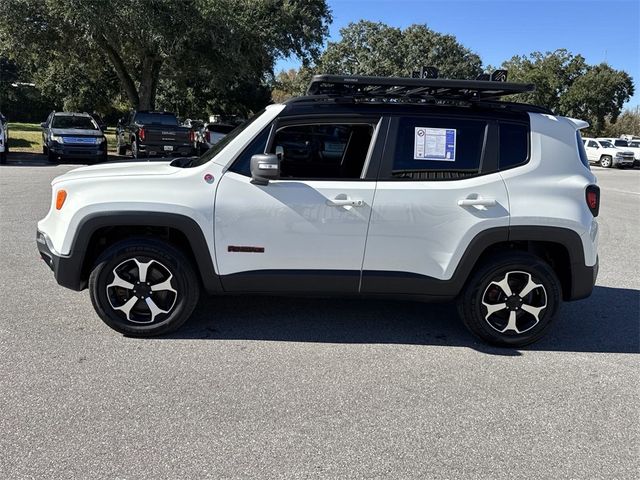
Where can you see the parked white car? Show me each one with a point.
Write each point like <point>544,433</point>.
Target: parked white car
<point>604,153</point>
<point>628,144</point>
<point>366,197</point>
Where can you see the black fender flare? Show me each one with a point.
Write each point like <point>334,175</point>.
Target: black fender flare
<point>71,271</point>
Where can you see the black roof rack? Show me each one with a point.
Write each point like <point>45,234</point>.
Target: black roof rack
<point>432,90</point>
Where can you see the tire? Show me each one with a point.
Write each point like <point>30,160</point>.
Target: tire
<point>122,150</point>
<point>51,158</point>
<point>3,157</point>
<point>134,150</point>
<point>513,325</point>
<point>45,151</point>
<point>116,304</point>
<point>606,161</point>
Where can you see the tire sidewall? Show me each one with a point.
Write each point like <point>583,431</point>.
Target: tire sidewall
<point>184,281</point>
<point>474,312</point>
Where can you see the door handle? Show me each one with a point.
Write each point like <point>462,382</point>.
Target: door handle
<point>477,202</point>
<point>344,202</point>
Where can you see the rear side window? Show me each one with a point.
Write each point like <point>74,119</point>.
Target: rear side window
<point>430,148</point>
<point>581,151</point>
<point>514,145</point>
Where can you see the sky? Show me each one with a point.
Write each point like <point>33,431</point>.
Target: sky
<point>599,30</point>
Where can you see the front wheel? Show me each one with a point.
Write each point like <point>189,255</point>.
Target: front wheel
<point>143,287</point>
<point>511,300</point>
<point>606,161</point>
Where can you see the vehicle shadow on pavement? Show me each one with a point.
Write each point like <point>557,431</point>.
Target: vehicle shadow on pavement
<point>609,321</point>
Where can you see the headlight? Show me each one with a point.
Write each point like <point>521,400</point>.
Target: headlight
<point>99,140</point>
<point>57,138</point>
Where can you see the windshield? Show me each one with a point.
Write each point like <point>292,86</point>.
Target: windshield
<point>213,151</point>
<point>606,144</point>
<point>156,119</point>
<point>72,121</point>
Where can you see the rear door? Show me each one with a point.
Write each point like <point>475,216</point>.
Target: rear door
<point>439,187</point>
<point>307,230</point>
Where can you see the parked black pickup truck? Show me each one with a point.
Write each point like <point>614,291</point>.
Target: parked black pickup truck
<point>153,133</point>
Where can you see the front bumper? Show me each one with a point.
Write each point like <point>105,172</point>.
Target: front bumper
<point>623,162</point>
<point>79,151</point>
<point>66,269</point>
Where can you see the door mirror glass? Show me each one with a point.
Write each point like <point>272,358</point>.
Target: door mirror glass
<point>264,167</point>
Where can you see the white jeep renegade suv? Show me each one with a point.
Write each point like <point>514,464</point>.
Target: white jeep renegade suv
<point>423,189</point>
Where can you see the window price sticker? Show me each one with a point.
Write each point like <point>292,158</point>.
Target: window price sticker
<point>435,144</point>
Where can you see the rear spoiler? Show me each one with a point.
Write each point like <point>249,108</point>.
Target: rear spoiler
<point>579,124</point>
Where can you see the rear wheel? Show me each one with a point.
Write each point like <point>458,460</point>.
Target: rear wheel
<point>511,300</point>
<point>3,157</point>
<point>142,287</point>
<point>606,161</point>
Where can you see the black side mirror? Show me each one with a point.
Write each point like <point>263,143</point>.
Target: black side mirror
<point>43,124</point>
<point>264,167</point>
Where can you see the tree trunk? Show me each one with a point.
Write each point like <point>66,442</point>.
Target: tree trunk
<point>121,71</point>
<point>149,83</point>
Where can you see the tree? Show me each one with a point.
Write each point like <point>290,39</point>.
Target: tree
<point>368,48</point>
<point>291,83</point>
<point>628,123</point>
<point>566,84</point>
<point>597,95</point>
<point>146,41</point>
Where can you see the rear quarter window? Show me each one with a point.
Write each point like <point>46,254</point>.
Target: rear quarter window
<point>514,145</point>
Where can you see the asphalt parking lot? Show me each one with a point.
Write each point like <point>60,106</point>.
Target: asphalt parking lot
<point>313,388</point>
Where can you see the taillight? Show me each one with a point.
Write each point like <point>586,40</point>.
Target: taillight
<point>593,199</point>
<point>141,133</point>
<point>192,136</point>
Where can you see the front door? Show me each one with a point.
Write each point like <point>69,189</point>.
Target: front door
<point>592,147</point>
<point>307,230</point>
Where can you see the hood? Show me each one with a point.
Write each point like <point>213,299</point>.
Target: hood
<point>76,132</point>
<point>124,169</point>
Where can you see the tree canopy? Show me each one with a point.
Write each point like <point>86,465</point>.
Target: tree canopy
<point>566,84</point>
<point>368,48</point>
<point>206,45</point>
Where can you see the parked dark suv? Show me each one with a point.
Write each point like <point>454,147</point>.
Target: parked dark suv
<point>153,133</point>
<point>73,135</point>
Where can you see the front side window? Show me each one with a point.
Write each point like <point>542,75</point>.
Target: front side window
<point>431,148</point>
<point>322,151</point>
